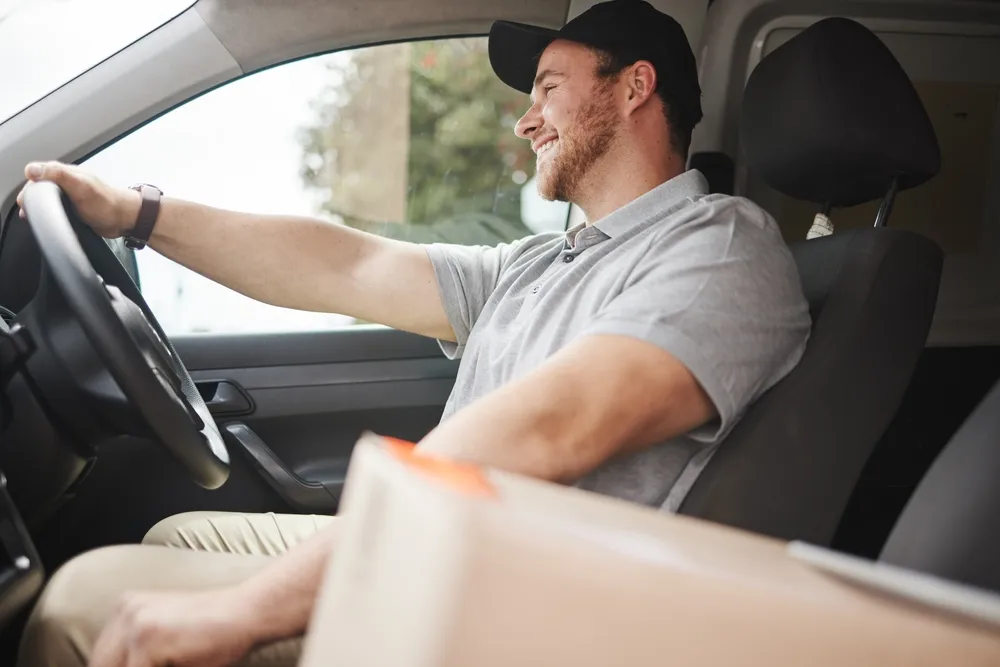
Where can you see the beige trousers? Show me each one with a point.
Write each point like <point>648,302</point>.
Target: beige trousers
<point>193,551</point>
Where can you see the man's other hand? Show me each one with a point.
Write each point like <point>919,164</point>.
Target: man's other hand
<point>179,629</point>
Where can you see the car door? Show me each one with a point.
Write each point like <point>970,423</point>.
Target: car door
<point>279,108</point>
<point>412,140</point>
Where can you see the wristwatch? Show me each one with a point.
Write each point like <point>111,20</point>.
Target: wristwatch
<point>149,209</point>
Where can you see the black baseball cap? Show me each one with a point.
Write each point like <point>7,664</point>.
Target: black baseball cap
<point>632,27</point>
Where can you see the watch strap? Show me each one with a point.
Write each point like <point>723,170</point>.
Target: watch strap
<point>149,210</point>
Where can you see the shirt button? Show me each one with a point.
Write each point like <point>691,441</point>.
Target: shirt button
<point>568,258</point>
<point>534,290</point>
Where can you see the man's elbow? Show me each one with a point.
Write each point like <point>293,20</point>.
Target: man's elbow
<point>564,453</point>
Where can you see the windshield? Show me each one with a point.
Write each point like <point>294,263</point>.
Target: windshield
<point>46,43</point>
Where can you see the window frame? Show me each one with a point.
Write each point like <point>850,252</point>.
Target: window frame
<point>109,144</point>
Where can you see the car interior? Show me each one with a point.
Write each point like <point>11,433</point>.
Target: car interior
<point>877,120</point>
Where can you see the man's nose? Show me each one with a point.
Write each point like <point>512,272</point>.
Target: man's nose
<point>529,123</point>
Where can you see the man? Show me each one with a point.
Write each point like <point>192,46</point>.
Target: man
<point>616,356</point>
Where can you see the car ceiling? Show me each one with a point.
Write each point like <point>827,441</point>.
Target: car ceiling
<point>259,33</point>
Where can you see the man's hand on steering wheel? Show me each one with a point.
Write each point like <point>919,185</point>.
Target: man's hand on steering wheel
<point>109,211</point>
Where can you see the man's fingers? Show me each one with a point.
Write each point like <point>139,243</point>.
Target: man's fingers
<point>37,171</point>
<point>138,658</point>
<point>110,650</point>
<point>34,171</point>
<point>20,205</point>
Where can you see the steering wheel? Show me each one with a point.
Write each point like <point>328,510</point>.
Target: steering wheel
<point>118,325</point>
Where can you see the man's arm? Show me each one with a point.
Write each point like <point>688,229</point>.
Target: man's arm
<point>290,261</point>
<point>599,397</point>
<point>215,628</point>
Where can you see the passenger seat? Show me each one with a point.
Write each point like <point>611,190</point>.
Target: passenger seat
<point>831,118</point>
<point>951,525</point>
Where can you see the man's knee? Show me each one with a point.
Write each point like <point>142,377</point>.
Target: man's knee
<point>182,530</point>
<point>84,593</point>
<point>267,534</point>
<point>74,606</point>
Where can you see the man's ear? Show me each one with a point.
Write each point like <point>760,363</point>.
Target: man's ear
<point>641,81</point>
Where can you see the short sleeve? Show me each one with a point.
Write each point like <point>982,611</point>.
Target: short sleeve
<point>466,277</point>
<point>721,293</point>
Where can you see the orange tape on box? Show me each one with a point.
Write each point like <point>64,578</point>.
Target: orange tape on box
<point>463,477</point>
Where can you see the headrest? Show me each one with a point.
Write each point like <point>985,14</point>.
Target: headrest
<point>831,117</point>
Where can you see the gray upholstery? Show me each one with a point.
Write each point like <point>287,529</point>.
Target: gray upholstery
<point>790,465</point>
<point>951,525</point>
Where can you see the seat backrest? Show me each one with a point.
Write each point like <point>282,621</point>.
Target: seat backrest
<point>951,525</point>
<point>717,168</point>
<point>790,465</point>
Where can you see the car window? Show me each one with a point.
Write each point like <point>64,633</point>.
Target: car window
<point>413,141</point>
<point>87,32</point>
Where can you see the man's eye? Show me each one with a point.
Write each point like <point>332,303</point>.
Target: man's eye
<point>550,87</point>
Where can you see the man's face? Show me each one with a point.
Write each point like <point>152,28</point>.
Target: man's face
<point>572,119</point>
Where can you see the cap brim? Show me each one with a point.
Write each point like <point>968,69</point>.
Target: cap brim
<point>514,52</point>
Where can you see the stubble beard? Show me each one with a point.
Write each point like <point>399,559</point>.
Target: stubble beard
<point>592,136</point>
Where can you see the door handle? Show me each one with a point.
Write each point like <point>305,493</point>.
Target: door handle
<point>303,495</point>
<point>224,397</point>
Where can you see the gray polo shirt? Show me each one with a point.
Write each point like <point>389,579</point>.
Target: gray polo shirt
<point>705,277</point>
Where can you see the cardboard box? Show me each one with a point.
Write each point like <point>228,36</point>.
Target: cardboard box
<point>446,565</point>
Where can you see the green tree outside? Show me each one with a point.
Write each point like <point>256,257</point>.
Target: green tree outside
<point>464,168</point>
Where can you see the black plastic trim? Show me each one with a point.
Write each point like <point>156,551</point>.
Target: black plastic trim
<point>225,397</point>
<point>360,343</point>
<point>22,577</point>
<point>302,495</point>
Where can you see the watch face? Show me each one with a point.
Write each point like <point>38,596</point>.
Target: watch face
<point>139,186</point>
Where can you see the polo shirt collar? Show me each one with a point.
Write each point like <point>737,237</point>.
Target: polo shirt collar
<point>691,183</point>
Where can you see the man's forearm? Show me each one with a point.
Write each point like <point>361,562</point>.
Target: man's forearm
<point>307,264</point>
<point>289,261</point>
<point>284,593</point>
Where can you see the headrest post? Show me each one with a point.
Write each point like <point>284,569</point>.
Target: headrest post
<point>886,208</point>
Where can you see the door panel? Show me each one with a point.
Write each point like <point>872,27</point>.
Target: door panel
<point>313,394</point>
